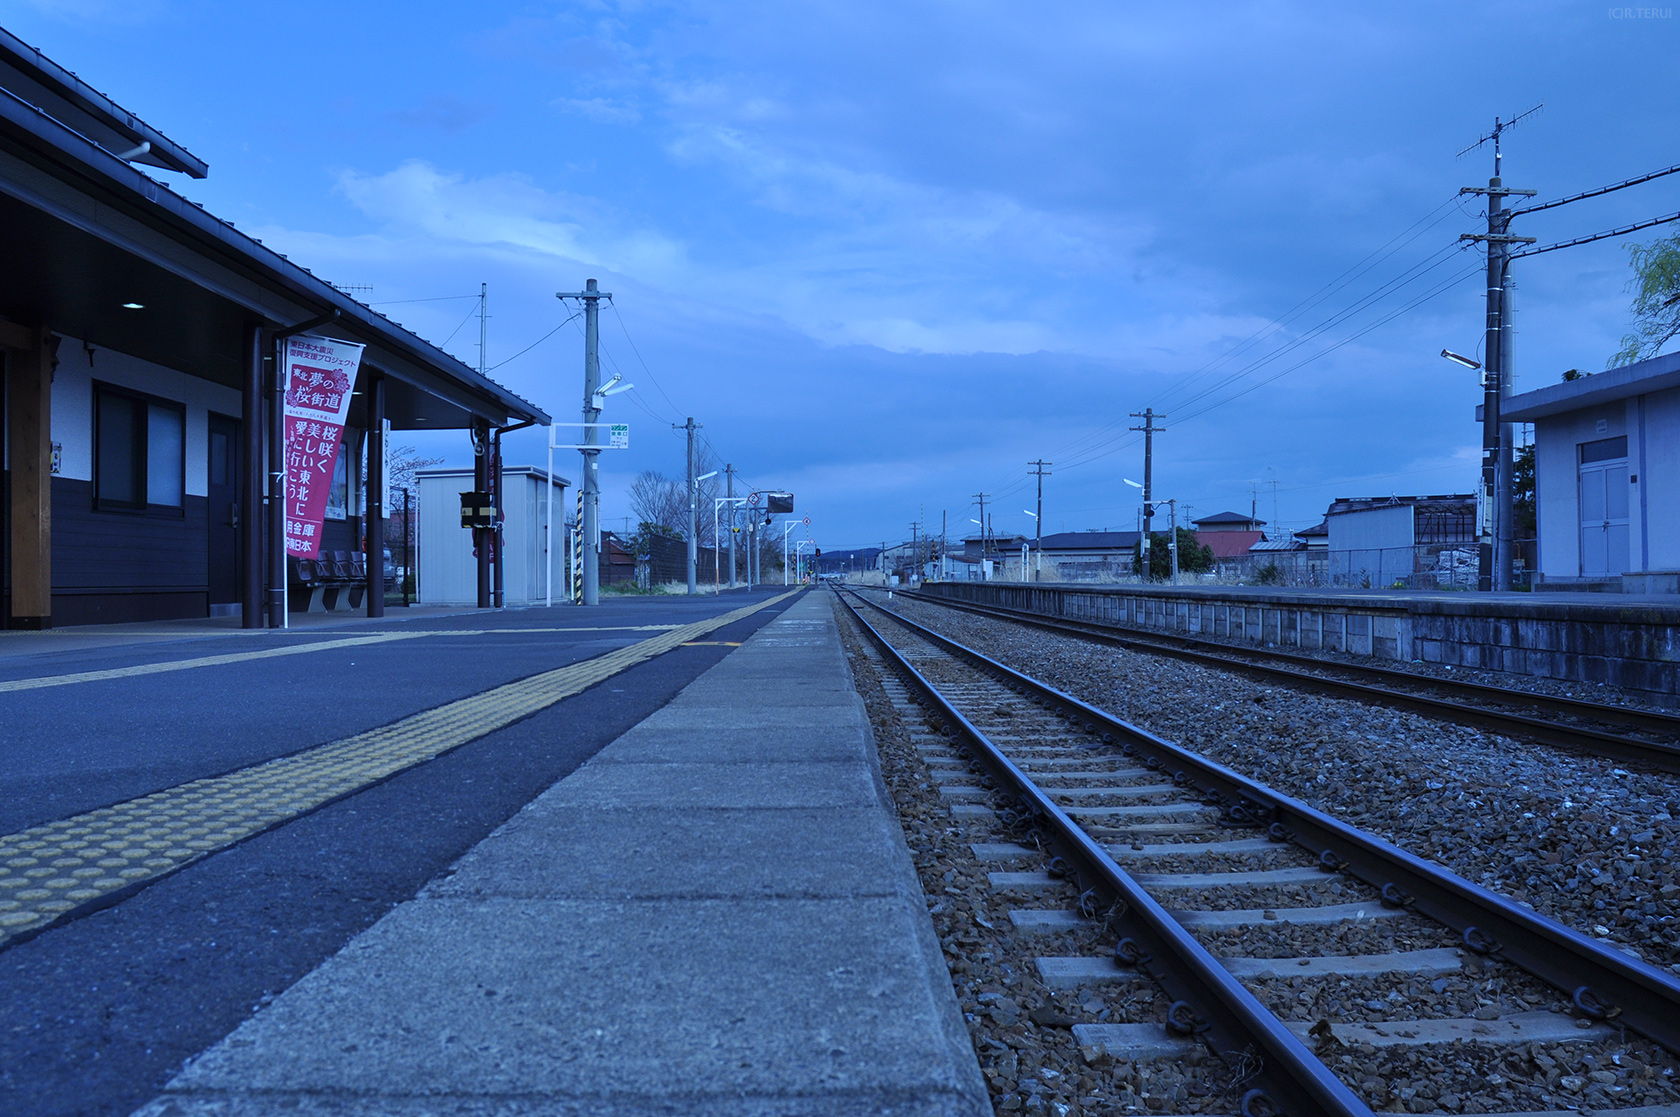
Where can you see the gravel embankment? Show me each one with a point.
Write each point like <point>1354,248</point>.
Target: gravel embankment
<point>1582,840</point>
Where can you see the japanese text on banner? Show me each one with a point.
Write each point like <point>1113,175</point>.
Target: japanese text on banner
<point>320,378</point>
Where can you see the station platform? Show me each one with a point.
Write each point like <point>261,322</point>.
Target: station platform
<point>716,914</point>
<point>1619,640</point>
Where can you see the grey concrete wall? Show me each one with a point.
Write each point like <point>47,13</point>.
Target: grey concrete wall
<point>1618,643</point>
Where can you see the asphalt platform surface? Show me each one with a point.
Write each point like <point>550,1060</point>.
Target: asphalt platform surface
<point>715,915</point>
<point>99,1012</point>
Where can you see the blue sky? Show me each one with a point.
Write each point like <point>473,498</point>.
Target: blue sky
<point>887,254</point>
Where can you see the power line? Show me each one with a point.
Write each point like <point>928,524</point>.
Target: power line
<point>1623,231</point>
<point>531,346</point>
<point>435,299</point>
<point>1614,186</point>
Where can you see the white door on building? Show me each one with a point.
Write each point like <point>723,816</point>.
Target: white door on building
<point>1604,507</point>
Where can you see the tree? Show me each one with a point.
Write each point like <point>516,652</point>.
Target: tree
<point>1193,557</point>
<point>661,500</point>
<point>1524,523</point>
<point>1656,300</point>
<point>404,530</point>
<point>658,501</point>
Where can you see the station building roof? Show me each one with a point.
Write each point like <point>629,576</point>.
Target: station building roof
<point>1640,378</point>
<point>84,232</point>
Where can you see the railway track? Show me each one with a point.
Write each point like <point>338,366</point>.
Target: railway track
<point>1244,904</point>
<point>1571,723</point>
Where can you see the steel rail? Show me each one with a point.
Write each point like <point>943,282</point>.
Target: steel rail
<point>1230,1019</point>
<point>1603,982</point>
<point>1634,750</point>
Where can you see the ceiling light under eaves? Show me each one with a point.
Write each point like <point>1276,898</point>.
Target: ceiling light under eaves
<point>134,306</point>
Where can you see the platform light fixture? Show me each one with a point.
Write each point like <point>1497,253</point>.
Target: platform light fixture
<point>1460,359</point>
<point>134,306</point>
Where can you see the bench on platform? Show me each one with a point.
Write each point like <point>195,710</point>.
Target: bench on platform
<point>334,578</point>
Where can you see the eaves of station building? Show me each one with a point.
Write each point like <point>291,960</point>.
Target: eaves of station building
<point>138,332</point>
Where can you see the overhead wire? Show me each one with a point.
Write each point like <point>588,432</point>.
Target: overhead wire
<point>529,347</point>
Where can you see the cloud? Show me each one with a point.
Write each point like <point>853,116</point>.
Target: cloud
<point>508,209</point>
<point>598,110</point>
<point>445,112</point>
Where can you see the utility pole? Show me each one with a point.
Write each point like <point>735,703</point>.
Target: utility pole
<point>693,501</point>
<point>1149,428</point>
<point>729,479</point>
<point>483,328</point>
<point>985,536</point>
<point>1038,521</point>
<point>1494,529</point>
<point>591,297</point>
<point>915,544</point>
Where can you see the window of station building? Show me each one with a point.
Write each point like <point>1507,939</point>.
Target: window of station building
<point>1604,449</point>
<point>139,452</point>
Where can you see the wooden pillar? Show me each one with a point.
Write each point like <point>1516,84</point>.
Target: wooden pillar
<point>250,481</point>
<point>30,360</point>
<point>376,510</point>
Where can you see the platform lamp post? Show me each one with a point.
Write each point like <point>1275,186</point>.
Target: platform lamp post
<point>1143,544</point>
<point>693,518</point>
<point>787,526</point>
<point>1038,559</point>
<point>717,545</point>
<point>798,546</point>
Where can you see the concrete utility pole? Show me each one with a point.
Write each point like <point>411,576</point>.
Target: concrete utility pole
<point>1149,428</point>
<point>591,297</point>
<point>915,544</point>
<point>729,481</point>
<point>1495,542</point>
<point>985,537</point>
<point>1038,521</point>
<point>1494,529</point>
<point>693,500</point>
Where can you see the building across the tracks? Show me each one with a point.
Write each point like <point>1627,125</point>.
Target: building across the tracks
<point>138,332</point>
<point>1607,477</point>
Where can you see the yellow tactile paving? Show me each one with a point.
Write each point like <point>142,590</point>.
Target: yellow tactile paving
<point>51,869</point>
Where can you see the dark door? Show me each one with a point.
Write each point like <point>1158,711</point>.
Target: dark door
<point>224,511</point>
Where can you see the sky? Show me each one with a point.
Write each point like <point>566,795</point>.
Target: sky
<point>888,255</point>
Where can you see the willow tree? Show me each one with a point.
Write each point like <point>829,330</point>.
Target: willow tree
<point>1656,300</point>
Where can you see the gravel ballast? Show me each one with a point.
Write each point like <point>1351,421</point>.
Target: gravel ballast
<point>1334,754</point>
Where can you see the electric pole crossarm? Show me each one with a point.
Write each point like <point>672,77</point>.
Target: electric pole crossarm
<point>1498,238</point>
<point>1499,192</point>
<point>1625,229</point>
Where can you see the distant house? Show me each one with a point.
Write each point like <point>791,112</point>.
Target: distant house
<point>1093,556</point>
<point>991,557</point>
<point>1317,537</point>
<point>1412,541</point>
<point>1229,535</point>
<point>1607,476</point>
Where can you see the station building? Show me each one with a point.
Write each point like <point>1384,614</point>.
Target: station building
<point>1607,477</point>
<point>138,334</point>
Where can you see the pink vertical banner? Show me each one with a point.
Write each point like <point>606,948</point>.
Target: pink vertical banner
<point>320,377</point>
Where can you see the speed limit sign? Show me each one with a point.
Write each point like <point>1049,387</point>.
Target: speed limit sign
<point>807,521</point>
<point>752,500</point>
